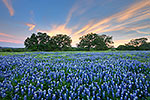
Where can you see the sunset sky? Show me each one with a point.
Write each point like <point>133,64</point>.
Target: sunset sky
<point>122,19</point>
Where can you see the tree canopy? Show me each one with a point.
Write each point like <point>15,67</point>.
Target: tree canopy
<point>108,40</point>
<point>95,41</point>
<point>135,44</point>
<point>145,46</point>
<point>90,41</point>
<point>43,42</point>
<point>39,41</point>
<point>31,42</point>
<point>61,42</point>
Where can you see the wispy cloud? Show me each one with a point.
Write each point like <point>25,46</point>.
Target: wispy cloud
<point>78,9</point>
<point>73,9</point>
<point>31,26</point>
<point>9,38</point>
<point>6,35</point>
<point>136,12</point>
<point>9,6</point>
<point>57,29</point>
<point>86,27</point>
<point>11,41</point>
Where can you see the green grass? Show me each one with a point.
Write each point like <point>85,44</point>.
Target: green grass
<point>10,53</point>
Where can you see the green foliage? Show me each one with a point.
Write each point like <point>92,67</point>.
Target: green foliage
<point>88,42</point>
<point>31,43</point>
<point>145,46</point>
<point>93,41</point>
<point>121,47</point>
<point>135,44</point>
<point>107,39</point>
<point>12,49</point>
<point>38,42</point>
<point>61,42</point>
<point>43,42</point>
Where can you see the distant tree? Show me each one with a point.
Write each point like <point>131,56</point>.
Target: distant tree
<point>94,41</point>
<point>61,42</point>
<point>121,47</point>
<point>145,46</point>
<point>0,48</point>
<point>126,47</point>
<point>41,42</point>
<point>130,47</point>
<point>137,42</point>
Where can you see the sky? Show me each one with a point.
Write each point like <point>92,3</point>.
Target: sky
<point>122,19</point>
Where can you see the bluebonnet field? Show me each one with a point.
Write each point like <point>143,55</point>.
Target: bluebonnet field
<point>75,75</point>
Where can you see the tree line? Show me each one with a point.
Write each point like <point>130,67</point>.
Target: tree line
<point>135,44</point>
<point>90,41</point>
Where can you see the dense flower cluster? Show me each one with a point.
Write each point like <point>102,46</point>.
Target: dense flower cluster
<point>80,76</point>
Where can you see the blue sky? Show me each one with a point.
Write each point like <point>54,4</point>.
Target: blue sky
<point>122,19</point>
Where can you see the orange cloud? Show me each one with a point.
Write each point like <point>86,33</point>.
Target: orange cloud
<point>60,29</point>
<point>6,35</point>
<point>8,4</point>
<point>99,24</point>
<point>31,26</point>
<point>141,32</point>
<point>133,10</point>
<point>84,28</point>
<point>139,27</point>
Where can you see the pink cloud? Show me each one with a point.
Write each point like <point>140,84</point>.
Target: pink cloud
<point>11,41</point>
<point>31,26</point>
<point>6,35</point>
<point>8,4</point>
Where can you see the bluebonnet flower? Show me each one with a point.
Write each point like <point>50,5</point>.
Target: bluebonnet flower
<point>41,86</point>
<point>17,89</point>
<point>54,97</point>
<point>65,96</point>
<point>25,97</point>
<point>60,98</point>
<point>98,98</point>
<point>3,95</point>
<point>103,94</point>
<point>22,91</point>
<point>35,96</point>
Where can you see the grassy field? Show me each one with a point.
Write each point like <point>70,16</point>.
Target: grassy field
<point>75,75</point>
